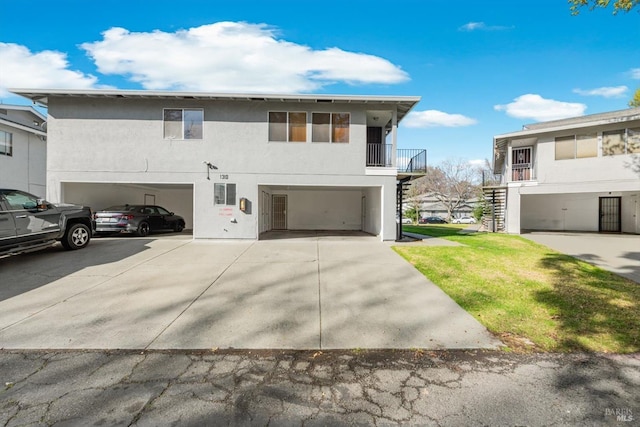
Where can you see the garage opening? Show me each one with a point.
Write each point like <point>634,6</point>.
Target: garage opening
<point>326,209</point>
<point>177,198</point>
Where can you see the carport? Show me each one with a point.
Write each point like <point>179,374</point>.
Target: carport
<point>587,211</point>
<point>334,208</point>
<point>176,198</point>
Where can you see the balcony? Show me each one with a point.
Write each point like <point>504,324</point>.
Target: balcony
<point>407,161</point>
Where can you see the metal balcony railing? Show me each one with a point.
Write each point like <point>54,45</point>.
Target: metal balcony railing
<point>379,155</point>
<point>412,161</point>
<point>407,160</point>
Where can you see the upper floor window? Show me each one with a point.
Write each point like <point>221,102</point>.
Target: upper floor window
<point>330,127</point>
<point>183,123</point>
<point>287,126</point>
<point>6,143</point>
<point>576,146</point>
<point>625,141</point>
<point>521,164</point>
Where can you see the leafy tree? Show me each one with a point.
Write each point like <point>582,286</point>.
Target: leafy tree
<point>618,5</point>
<point>635,101</point>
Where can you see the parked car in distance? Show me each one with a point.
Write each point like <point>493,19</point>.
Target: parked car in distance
<point>432,220</point>
<point>29,223</point>
<point>404,220</point>
<point>464,220</point>
<point>138,219</point>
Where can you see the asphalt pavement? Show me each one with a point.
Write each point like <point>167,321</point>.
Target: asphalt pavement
<point>317,388</point>
<point>618,253</point>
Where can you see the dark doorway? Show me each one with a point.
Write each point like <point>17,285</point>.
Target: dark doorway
<point>610,215</point>
<point>376,150</point>
<point>279,206</point>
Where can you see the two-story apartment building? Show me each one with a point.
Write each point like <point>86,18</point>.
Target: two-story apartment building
<point>23,149</point>
<point>234,165</point>
<point>578,174</point>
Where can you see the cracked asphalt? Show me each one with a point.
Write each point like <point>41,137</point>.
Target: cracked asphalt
<point>357,387</point>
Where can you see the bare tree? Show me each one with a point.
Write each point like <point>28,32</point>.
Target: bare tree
<point>486,175</point>
<point>412,200</point>
<point>452,183</point>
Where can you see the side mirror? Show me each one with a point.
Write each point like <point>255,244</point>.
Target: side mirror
<point>42,205</point>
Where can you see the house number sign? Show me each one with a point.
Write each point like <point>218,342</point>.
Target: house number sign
<point>224,176</point>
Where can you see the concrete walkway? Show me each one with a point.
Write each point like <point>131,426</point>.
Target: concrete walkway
<point>310,292</point>
<point>619,253</point>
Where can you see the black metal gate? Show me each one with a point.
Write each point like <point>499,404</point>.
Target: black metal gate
<point>610,215</point>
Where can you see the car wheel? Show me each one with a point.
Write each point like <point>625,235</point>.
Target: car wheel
<point>77,236</point>
<point>178,226</point>
<point>143,229</point>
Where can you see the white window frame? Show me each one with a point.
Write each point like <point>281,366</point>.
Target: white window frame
<point>6,143</point>
<point>225,197</point>
<point>182,133</point>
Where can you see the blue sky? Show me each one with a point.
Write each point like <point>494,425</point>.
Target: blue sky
<point>481,67</point>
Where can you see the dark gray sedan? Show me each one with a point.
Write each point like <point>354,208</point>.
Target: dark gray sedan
<point>138,219</point>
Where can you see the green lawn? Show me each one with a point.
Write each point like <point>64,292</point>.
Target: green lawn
<point>530,296</point>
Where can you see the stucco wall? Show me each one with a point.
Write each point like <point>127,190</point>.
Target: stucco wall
<point>26,168</point>
<point>575,212</point>
<point>116,140</point>
<point>581,171</point>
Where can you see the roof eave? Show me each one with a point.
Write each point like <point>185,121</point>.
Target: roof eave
<point>41,96</point>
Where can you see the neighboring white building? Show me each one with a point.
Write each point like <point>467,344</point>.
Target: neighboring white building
<point>233,165</point>
<point>23,150</point>
<point>578,174</point>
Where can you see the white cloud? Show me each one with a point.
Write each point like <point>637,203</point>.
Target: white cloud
<point>471,26</point>
<point>477,162</point>
<point>481,26</point>
<point>635,73</point>
<point>435,118</point>
<point>232,56</point>
<point>606,92</point>
<point>22,68</point>
<point>533,106</point>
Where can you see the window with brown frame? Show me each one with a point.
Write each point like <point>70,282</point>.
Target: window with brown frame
<point>287,126</point>
<point>330,127</point>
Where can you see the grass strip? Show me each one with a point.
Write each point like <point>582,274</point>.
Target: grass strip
<point>529,295</point>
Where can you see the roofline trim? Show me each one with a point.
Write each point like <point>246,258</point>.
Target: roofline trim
<point>23,127</point>
<point>41,93</point>
<point>601,122</point>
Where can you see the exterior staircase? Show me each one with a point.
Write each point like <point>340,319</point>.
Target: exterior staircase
<point>494,209</point>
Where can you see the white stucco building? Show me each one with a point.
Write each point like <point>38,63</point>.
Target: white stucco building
<point>578,174</point>
<point>23,149</point>
<point>233,165</point>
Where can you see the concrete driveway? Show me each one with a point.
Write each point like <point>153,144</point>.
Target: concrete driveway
<point>301,292</point>
<point>619,253</point>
